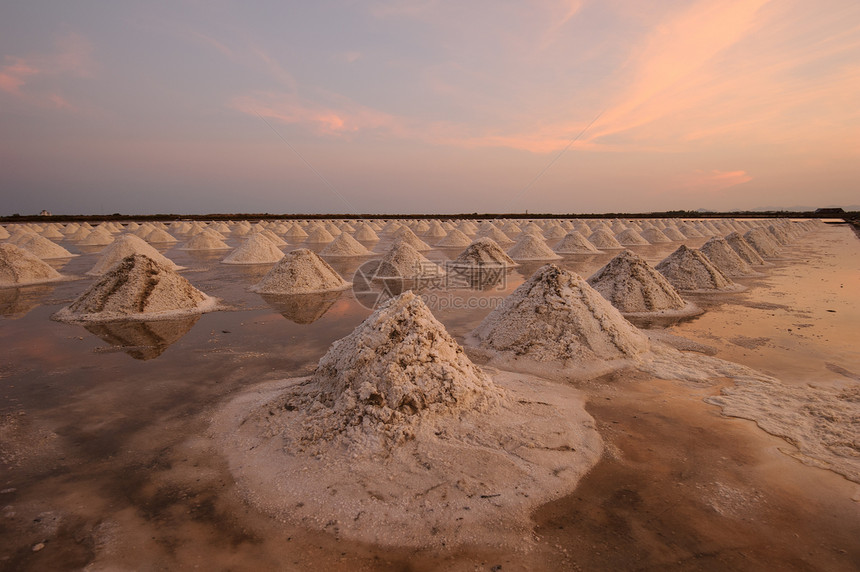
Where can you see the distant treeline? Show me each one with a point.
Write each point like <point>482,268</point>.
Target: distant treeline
<point>848,216</point>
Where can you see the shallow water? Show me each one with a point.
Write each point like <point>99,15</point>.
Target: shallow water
<point>105,461</point>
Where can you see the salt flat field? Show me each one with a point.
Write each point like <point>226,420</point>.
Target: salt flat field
<point>378,394</point>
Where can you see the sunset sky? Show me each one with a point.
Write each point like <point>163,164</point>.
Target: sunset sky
<point>193,106</point>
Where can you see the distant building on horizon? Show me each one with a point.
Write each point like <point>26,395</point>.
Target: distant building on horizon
<point>45,213</point>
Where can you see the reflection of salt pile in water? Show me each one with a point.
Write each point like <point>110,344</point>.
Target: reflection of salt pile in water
<point>689,270</point>
<point>483,252</point>
<point>823,424</point>
<point>301,271</point>
<point>630,237</point>
<point>42,248</point>
<point>345,246</point>
<point>124,246</point>
<point>747,253</point>
<point>137,288</point>
<point>574,243</point>
<point>531,247</point>
<point>632,286</point>
<point>205,240</point>
<point>403,261</point>
<point>399,439</point>
<point>455,239</point>
<point>556,321</point>
<point>302,308</point>
<point>257,249</point>
<point>762,242</point>
<point>725,258</point>
<point>143,340</point>
<point>604,240</point>
<point>19,267</point>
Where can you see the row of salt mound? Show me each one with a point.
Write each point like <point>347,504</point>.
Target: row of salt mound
<point>744,249</point>
<point>484,252</point>
<point>531,247</point>
<point>655,236</point>
<point>124,246</point>
<point>256,249</point>
<point>636,289</point>
<point>205,240</point>
<point>555,323</point>
<point>399,396</point>
<point>762,242</point>
<point>301,271</point>
<point>42,247</point>
<point>630,237</point>
<point>20,267</point>
<point>724,257</point>
<point>137,288</point>
<point>688,270</point>
<point>345,246</point>
<point>574,243</point>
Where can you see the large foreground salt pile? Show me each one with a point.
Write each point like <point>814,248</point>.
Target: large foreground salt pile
<point>301,271</point>
<point>689,270</point>
<point>556,324</point>
<point>724,257</point>
<point>123,247</point>
<point>345,246</point>
<point>19,267</point>
<point>399,439</point>
<point>483,252</point>
<point>635,288</point>
<point>257,249</point>
<point>574,243</point>
<point>137,288</point>
<point>531,246</point>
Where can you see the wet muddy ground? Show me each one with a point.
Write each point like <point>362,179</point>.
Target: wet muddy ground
<point>105,462</point>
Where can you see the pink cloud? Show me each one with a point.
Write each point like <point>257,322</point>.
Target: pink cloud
<point>711,181</point>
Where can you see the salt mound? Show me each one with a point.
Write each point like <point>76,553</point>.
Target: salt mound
<point>630,237</point>
<point>137,288</point>
<point>725,258</point>
<point>556,324</point>
<point>406,235</point>
<point>295,232</point>
<point>319,235</point>
<point>365,232</point>
<point>574,243</point>
<point>455,239</point>
<point>496,235</point>
<point>780,234</point>
<point>435,231</point>
<point>689,270</point>
<point>19,267</point>
<point>273,238</point>
<point>604,240</point>
<point>762,242</point>
<point>531,247</point>
<point>98,237</point>
<point>43,248</point>
<point>655,236</point>
<point>744,250</point>
<point>632,286</point>
<point>483,252</point>
<point>399,439</point>
<point>407,262</point>
<point>345,245</point>
<point>301,271</point>
<point>123,247</point>
<point>822,424</point>
<point>159,235</point>
<point>257,249</point>
<point>4,234</point>
<point>205,240</point>
<point>533,228</point>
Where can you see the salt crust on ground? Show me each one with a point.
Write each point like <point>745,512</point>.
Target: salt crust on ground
<point>124,246</point>
<point>556,325</point>
<point>689,270</point>
<point>257,249</point>
<point>137,288</point>
<point>19,267</point>
<point>345,246</point>
<point>637,289</point>
<point>823,424</point>
<point>483,251</point>
<point>530,246</point>
<point>398,439</point>
<point>301,271</point>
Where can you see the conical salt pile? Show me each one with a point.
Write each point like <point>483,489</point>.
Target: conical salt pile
<point>159,236</point>
<point>97,237</point>
<point>574,243</point>
<point>365,232</point>
<point>455,239</point>
<point>137,288</point>
<point>345,246</point>
<point>483,252</point>
<point>43,248</point>
<point>744,250</point>
<point>301,271</point>
<point>319,235</point>
<point>435,231</point>
<point>531,247</point>
<point>762,242</point>
<point>406,262</point>
<point>4,234</point>
<point>673,234</point>
<point>780,234</point>
<point>725,258</point>
<point>630,237</point>
<point>689,270</point>
<point>556,319</point>
<point>257,249</point>
<point>496,235</point>
<point>604,240</point>
<point>635,288</point>
<point>123,247</point>
<point>554,232</point>
<point>655,236</point>
<point>205,240</point>
<point>406,235</point>
<point>19,267</point>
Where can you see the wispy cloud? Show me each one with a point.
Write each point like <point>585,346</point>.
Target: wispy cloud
<point>701,181</point>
